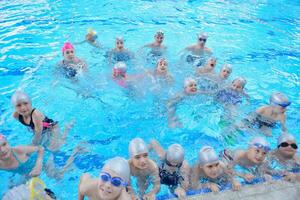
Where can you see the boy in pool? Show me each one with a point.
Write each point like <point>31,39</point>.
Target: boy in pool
<point>157,48</point>
<point>111,184</point>
<point>71,65</point>
<point>144,169</point>
<point>173,169</point>
<point>211,172</point>
<point>161,71</point>
<point>251,162</point>
<point>266,117</point>
<point>284,160</point>
<point>190,89</point>
<point>24,160</point>
<point>198,51</point>
<point>119,53</point>
<point>46,131</point>
<point>207,68</point>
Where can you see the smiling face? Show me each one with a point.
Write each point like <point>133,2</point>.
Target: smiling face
<point>288,148</point>
<point>141,161</point>
<point>5,150</point>
<point>225,73</point>
<point>212,170</point>
<point>191,87</point>
<point>256,155</point>
<point>23,108</point>
<point>237,86</point>
<point>108,191</point>
<point>162,66</point>
<point>69,54</point>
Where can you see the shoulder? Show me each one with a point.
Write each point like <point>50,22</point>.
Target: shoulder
<point>87,184</point>
<point>37,115</point>
<point>153,165</point>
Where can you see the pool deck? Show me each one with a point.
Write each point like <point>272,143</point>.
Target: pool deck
<point>276,190</point>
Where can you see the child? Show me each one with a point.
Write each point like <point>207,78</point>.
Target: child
<point>144,169</point>
<point>111,184</point>
<point>157,48</point>
<point>211,172</point>
<point>119,53</point>
<point>207,68</point>
<point>173,170</point>
<point>46,131</point>
<point>161,71</point>
<point>71,65</point>
<point>91,38</point>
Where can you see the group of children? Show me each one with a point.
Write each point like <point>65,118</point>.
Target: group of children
<point>214,171</point>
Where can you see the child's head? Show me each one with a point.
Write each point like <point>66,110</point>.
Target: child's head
<point>159,37</point>
<point>138,152</point>
<point>226,70</point>
<point>190,86</point>
<point>279,101</point>
<point>5,149</point>
<point>119,70</point>
<point>113,178</point>
<point>202,38</point>
<point>211,63</point>
<point>119,43</point>
<point>238,84</point>
<point>91,35</point>
<point>257,150</point>
<point>22,102</point>
<point>174,156</point>
<point>287,145</point>
<point>162,66</point>
<point>209,162</point>
<point>68,51</point>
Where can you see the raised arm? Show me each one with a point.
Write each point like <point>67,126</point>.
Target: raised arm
<point>154,144</point>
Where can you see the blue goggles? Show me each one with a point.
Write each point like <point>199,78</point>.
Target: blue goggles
<point>115,181</point>
<point>260,146</point>
<point>284,105</point>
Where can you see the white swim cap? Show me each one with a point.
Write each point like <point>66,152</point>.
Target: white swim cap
<point>202,35</point>
<point>284,137</point>
<point>121,66</point>
<point>241,80</point>
<point>175,153</point>
<point>280,99</point>
<point>20,192</point>
<point>119,38</point>
<point>261,143</point>
<point>118,165</point>
<point>207,155</point>
<point>137,146</point>
<point>228,67</point>
<point>19,96</point>
<point>189,80</point>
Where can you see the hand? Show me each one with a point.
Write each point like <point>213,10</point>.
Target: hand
<point>214,187</point>
<point>249,177</point>
<point>36,171</point>
<point>149,196</point>
<point>180,193</point>
<point>236,185</point>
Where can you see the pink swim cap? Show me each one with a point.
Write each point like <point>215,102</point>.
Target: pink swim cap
<point>66,46</point>
<point>2,137</point>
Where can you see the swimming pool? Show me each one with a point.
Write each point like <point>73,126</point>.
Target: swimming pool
<point>259,38</point>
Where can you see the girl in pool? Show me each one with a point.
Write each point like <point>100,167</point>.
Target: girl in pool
<point>157,47</point>
<point>207,68</point>
<point>173,169</point>
<point>46,131</point>
<point>266,117</point>
<point>161,71</point>
<point>284,160</point>
<point>190,89</point>
<point>211,172</point>
<point>144,169</point>
<point>71,65</point>
<point>119,53</point>
<point>111,184</point>
<point>250,163</point>
<point>24,160</point>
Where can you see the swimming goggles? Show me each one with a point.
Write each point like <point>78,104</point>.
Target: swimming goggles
<point>115,181</point>
<point>202,39</point>
<point>260,146</point>
<point>171,165</point>
<point>284,105</point>
<point>285,144</point>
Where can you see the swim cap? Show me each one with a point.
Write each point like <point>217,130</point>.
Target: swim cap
<point>175,153</point>
<point>67,45</point>
<point>91,31</point>
<point>2,138</point>
<point>261,143</point>
<point>160,32</point>
<point>202,35</point>
<point>284,137</point>
<point>241,80</point>
<point>120,67</point>
<point>227,66</point>
<point>137,146</point>
<point>120,166</point>
<point>19,96</point>
<point>189,80</point>
<point>207,155</point>
<point>20,192</point>
<point>279,99</point>
<point>119,38</point>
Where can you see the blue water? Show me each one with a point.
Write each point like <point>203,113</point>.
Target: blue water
<point>260,39</point>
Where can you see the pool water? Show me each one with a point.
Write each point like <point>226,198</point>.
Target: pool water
<point>259,38</point>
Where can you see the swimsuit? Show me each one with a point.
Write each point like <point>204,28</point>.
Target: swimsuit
<point>121,56</point>
<point>24,168</point>
<point>229,96</point>
<point>168,178</point>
